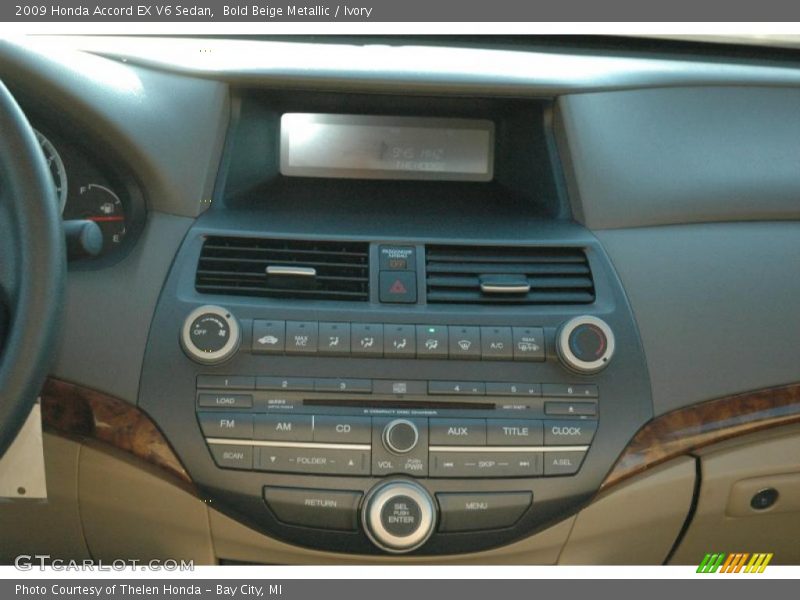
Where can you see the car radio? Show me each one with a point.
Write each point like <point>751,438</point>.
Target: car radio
<point>388,425</point>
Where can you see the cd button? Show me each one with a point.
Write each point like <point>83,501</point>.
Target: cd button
<point>343,430</point>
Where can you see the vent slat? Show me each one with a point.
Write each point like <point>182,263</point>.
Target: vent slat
<point>237,266</point>
<point>555,275</point>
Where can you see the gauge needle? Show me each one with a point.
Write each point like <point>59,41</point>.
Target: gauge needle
<point>106,219</point>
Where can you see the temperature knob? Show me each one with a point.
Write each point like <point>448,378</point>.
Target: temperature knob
<point>210,335</point>
<point>585,344</point>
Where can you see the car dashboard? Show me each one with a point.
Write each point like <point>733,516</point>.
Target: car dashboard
<point>367,302</point>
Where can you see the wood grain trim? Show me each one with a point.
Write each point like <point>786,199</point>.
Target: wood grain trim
<point>684,430</point>
<point>71,409</point>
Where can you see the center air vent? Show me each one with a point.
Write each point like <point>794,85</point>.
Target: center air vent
<point>508,275</point>
<point>299,269</point>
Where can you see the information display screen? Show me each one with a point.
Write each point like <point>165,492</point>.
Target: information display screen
<point>378,147</point>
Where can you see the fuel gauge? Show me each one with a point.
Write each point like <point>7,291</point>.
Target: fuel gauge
<point>100,204</point>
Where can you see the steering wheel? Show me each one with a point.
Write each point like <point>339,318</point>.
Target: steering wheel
<point>32,268</point>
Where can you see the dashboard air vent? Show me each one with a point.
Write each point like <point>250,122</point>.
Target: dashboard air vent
<point>308,270</point>
<point>508,275</point>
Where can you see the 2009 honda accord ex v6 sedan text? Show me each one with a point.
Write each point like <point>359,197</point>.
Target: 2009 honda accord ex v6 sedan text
<point>396,300</point>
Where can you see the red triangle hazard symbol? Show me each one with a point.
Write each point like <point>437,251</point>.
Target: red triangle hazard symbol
<point>397,287</point>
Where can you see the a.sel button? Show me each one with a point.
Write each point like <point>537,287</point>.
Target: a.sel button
<point>225,425</point>
<point>562,463</point>
<point>513,432</point>
<point>292,428</point>
<point>230,456</point>
<point>344,430</point>
<point>459,432</point>
<point>313,460</point>
<point>473,512</point>
<point>324,509</point>
<point>569,433</point>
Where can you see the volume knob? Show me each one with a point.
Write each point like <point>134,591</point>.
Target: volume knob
<point>210,335</point>
<point>585,344</point>
<point>400,436</point>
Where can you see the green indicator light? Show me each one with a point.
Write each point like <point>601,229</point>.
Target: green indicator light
<point>431,330</point>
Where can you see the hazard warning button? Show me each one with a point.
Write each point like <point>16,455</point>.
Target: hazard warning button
<point>398,286</point>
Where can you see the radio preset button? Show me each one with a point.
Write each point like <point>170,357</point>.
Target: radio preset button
<point>569,433</point>
<point>457,388</point>
<point>528,343</point>
<point>323,509</point>
<point>231,456</point>
<point>269,337</point>
<point>400,341</point>
<point>562,463</point>
<point>342,430</point>
<point>513,389</point>
<point>366,339</point>
<point>227,382</point>
<point>513,432</point>
<point>288,384</point>
<point>465,342</point>
<point>334,339</point>
<point>290,428</point>
<point>355,386</point>
<point>457,432</point>
<point>302,337</point>
<point>481,511</point>
<point>225,401</point>
<point>226,425</point>
<point>432,341</point>
<point>496,343</point>
<point>569,390</point>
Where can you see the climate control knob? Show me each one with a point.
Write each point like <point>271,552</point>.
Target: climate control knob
<point>210,335</point>
<point>399,516</point>
<point>400,436</point>
<point>585,344</point>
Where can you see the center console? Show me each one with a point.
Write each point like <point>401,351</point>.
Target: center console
<point>373,376</point>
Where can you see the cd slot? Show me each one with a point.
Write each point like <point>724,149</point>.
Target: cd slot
<point>402,404</point>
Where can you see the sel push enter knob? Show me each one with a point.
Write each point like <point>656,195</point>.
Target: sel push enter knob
<point>210,335</point>
<point>399,516</point>
<point>585,344</point>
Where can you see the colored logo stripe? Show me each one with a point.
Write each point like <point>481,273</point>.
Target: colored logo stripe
<point>734,563</point>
